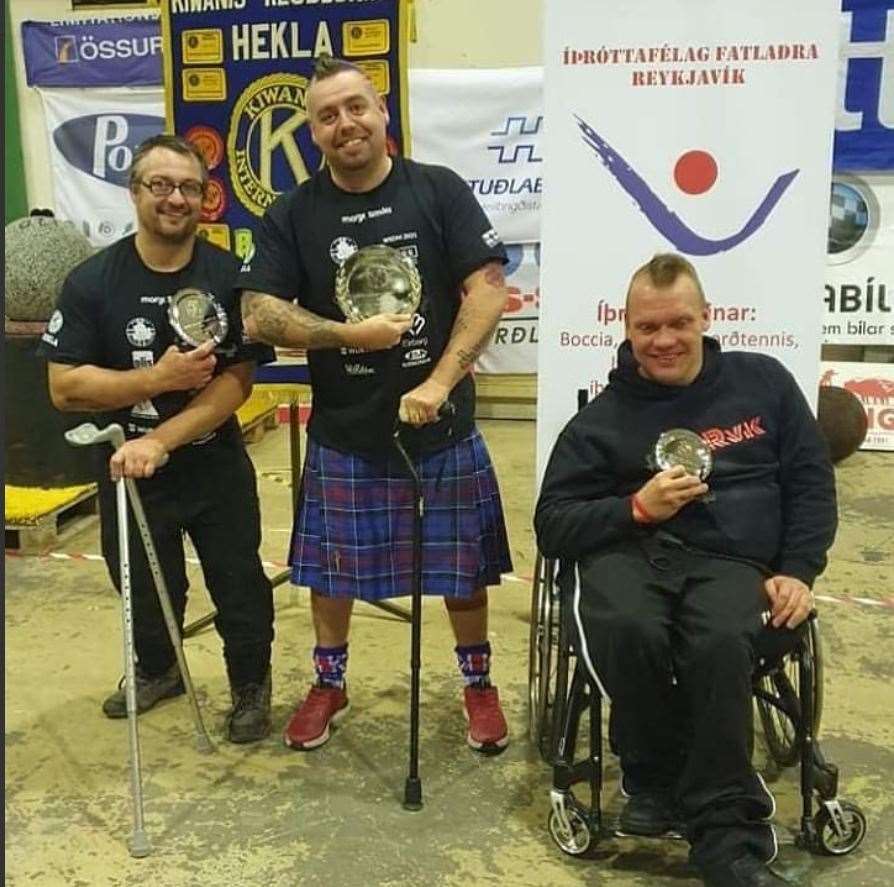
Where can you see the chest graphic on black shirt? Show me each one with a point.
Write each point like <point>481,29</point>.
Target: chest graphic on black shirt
<point>414,344</point>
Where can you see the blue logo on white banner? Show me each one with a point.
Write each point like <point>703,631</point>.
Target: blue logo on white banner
<point>694,173</point>
<point>102,145</point>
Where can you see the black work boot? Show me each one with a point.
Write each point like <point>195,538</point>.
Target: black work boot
<point>249,719</point>
<point>649,814</point>
<point>151,689</point>
<point>746,871</point>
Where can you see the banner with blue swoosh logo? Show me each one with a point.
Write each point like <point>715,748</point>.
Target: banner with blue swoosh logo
<point>697,127</point>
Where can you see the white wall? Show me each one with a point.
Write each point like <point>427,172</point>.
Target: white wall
<point>450,34</point>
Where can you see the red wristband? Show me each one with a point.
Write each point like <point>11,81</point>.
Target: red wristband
<point>640,510</point>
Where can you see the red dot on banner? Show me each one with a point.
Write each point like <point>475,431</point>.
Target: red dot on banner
<point>695,172</point>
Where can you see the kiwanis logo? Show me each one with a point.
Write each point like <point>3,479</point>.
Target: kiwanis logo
<point>269,146</point>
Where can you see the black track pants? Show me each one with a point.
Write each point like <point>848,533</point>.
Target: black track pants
<point>210,493</point>
<point>669,635</point>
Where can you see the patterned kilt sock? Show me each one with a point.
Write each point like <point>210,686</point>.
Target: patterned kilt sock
<point>474,663</point>
<point>330,664</point>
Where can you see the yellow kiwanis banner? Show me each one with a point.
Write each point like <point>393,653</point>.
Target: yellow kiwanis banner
<point>236,73</point>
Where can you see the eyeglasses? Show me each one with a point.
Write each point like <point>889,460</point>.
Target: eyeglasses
<point>190,189</point>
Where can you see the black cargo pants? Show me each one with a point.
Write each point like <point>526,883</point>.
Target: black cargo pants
<point>210,493</point>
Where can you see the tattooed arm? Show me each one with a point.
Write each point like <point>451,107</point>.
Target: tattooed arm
<point>482,307</point>
<point>272,320</point>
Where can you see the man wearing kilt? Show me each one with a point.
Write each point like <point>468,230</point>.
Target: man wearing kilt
<point>352,537</point>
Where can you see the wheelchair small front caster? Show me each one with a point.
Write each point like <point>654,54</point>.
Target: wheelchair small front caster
<point>840,827</point>
<point>573,836</point>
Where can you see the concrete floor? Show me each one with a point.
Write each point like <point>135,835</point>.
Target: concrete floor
<point>265,815</point>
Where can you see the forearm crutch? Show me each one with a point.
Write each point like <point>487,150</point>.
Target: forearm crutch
<point>138,844</point>
<point>87,434</point>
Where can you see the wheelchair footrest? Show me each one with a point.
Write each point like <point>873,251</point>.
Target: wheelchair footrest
<point>670,835</point>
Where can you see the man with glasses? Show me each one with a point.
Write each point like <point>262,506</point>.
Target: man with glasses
<point>112,349</point>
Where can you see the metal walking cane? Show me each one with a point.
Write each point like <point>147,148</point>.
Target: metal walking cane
<point>85,435</point>
<point>413,785</point>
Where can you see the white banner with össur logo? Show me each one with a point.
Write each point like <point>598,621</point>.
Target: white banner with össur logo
<point>692,126</point>
<point>92,135</point>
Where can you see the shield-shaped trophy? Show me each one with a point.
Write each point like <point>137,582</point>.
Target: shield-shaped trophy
<point>680,446</point>
<point>377,280</point>
<point>197,317</point>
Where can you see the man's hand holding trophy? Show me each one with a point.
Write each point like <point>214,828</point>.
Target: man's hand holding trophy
<point>683,461</point>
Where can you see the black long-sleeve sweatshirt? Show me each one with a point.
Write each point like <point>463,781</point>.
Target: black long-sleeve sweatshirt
<point>772,484</point>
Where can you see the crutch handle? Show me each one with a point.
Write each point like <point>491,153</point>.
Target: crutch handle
<point>87,434</point>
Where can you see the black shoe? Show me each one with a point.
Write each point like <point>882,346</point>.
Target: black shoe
<point>649,815</point>
<point>151,689</point>
<point>249,719</point>
<point>746,871</point>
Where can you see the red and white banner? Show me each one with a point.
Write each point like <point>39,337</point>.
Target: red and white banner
<point>873,383</point>
<point>513,348</point>
<point>693,126</point>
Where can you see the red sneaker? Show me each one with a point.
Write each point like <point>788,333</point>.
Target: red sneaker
<point>488,730</point>
<point>309,725</point>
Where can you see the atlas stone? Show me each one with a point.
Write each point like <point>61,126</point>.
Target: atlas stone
<point>40,251</point>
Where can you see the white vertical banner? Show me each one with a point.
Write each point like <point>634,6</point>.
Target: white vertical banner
<point>694,126</point>
<point>487,126</point>
<point>92,135</point>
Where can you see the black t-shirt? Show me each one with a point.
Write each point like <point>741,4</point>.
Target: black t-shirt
<point>427,213</point>
<point>113,313</point>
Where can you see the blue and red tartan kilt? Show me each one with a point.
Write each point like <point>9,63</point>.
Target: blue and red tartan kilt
<point>353,533</point>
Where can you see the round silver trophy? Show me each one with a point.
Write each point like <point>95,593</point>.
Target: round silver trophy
<point>377,280</point>
<point>197,317</point>
<point>680,446</point>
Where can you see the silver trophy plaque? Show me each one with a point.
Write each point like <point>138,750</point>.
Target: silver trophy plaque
<point>377,280</point>
<point>197,317</point>
<point>680,446</point>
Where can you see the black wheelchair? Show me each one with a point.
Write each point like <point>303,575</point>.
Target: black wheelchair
<point>788,698</point>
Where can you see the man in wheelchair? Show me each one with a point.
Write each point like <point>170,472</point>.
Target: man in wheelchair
<point>695,554</point>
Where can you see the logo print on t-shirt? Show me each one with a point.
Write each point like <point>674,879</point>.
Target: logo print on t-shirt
<point>140,332</point>
<point>145,409</point>
<point>55,323</point>
<point>342,249</point>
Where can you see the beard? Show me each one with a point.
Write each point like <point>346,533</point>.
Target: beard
<point>161,226</point>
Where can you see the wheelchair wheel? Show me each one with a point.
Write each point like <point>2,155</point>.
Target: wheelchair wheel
<point>575,841</point>
<point>543,657</point>
<point>780,731</point>
<point>847,836</point>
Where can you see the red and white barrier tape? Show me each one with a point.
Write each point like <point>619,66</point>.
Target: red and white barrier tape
<point>884,603</point>
<point>64,556</point>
